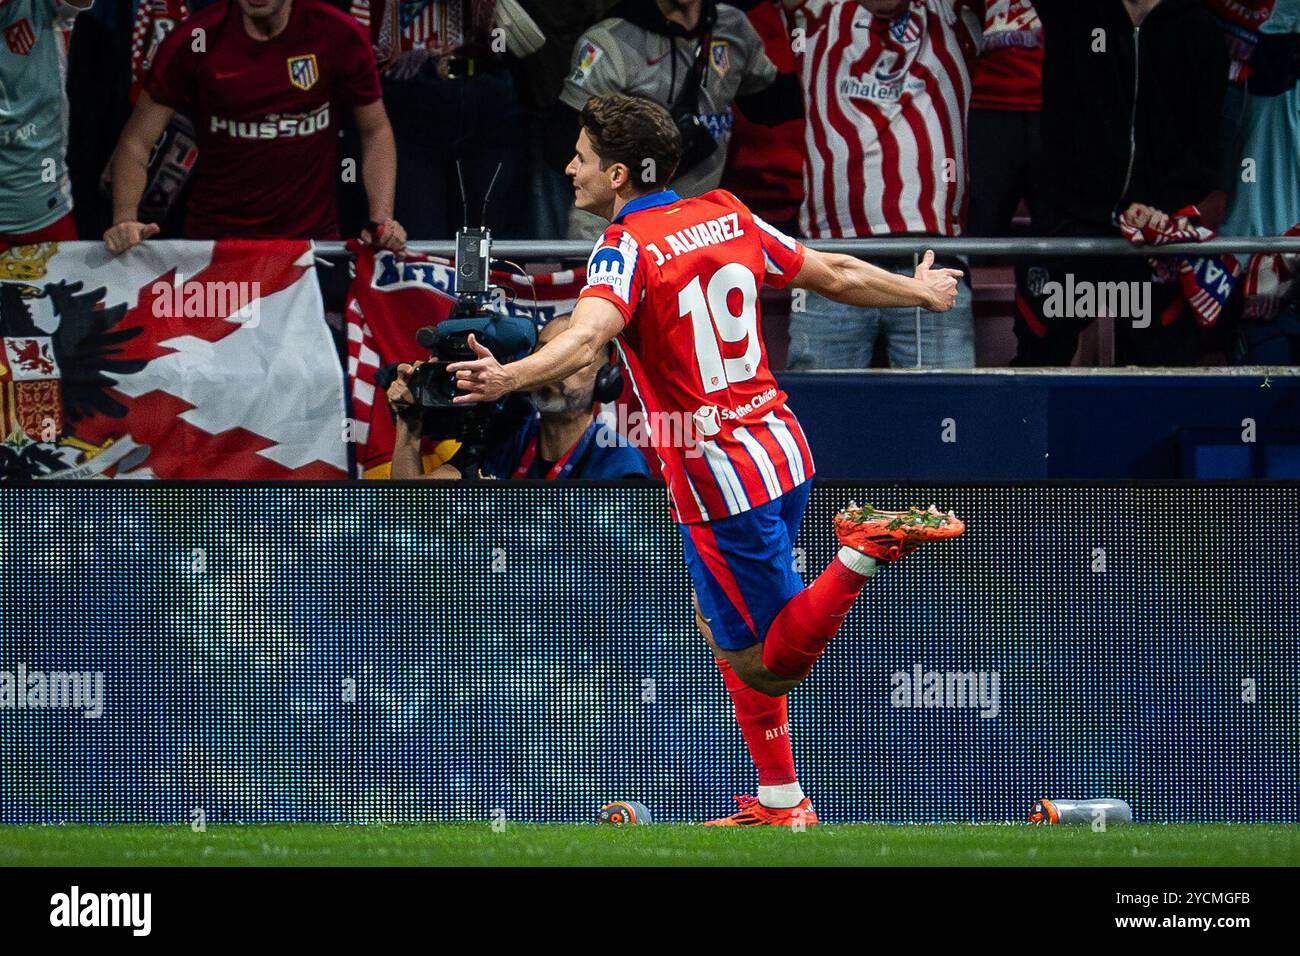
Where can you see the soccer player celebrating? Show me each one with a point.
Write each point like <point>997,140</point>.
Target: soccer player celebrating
<point>676,282</point>
<point>263,81</point>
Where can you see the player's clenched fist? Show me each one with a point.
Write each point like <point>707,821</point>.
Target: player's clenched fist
<point>128,235</point>
<point>940,284</point>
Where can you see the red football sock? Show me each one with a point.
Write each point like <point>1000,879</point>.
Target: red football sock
<point>766,727</point>
<point>809,620</point>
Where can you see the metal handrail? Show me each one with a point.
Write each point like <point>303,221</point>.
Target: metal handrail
<point>910,246</point>
<point>867,248</point>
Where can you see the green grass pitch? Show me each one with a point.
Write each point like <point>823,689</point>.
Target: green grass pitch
<point>469,844</point>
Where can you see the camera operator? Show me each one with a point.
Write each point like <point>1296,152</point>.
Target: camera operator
<point>558,439</point>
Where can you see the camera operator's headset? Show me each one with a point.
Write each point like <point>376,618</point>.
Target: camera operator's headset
<point>609,380</point>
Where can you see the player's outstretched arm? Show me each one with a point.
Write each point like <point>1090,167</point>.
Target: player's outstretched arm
<point>854,282</point>
<point>595,322</point>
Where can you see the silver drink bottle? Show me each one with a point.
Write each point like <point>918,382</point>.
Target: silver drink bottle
<point>1105,812</point>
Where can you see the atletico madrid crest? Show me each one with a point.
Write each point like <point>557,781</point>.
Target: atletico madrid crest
<point>303,73</point>
<point>720,56</point>
<point>20,37</point>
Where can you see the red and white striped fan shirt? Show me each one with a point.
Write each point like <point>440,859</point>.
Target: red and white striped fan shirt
<point>886,103</point>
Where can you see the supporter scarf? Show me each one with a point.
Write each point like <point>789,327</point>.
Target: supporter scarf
<point>1206,282</point>
<point>154,19</point>
<point>1269,277</point>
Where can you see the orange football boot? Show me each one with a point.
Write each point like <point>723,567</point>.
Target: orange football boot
<point>890,535</point>
<point>754,814</point>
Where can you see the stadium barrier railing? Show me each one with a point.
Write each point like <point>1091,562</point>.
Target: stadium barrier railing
<point>914,246</point>
<point>1015,247</point>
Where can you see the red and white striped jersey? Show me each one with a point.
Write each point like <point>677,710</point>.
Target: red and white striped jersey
<point>685,275</point>
<point>886,102</point>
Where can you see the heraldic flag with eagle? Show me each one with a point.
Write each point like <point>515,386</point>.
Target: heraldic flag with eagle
<point>175,360</point>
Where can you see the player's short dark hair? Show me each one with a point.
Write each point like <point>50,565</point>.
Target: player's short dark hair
<point>636,132</point>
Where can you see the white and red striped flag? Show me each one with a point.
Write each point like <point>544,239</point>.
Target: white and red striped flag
<point>176,360</point>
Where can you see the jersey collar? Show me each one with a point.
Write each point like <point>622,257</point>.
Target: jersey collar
<point>664,197</point>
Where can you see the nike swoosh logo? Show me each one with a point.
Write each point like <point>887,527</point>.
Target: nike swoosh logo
<point>656,62</point>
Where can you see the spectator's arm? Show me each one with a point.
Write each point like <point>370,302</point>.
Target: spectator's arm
<point>407,462</point>
<point>1203,85</point>
<point>379,171</point>
<point>779,103</point>
<point>523,36</point>
<point>1214,208</point>
<point>147,123</point>
<point>854,282</point>
<point>130,173</point>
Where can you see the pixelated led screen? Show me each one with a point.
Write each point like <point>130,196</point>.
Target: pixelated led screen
<point>396,653</point>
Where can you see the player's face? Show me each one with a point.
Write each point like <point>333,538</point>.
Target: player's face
<point>261,9</point>
<point>592,190</point>
<point>573,395</point>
